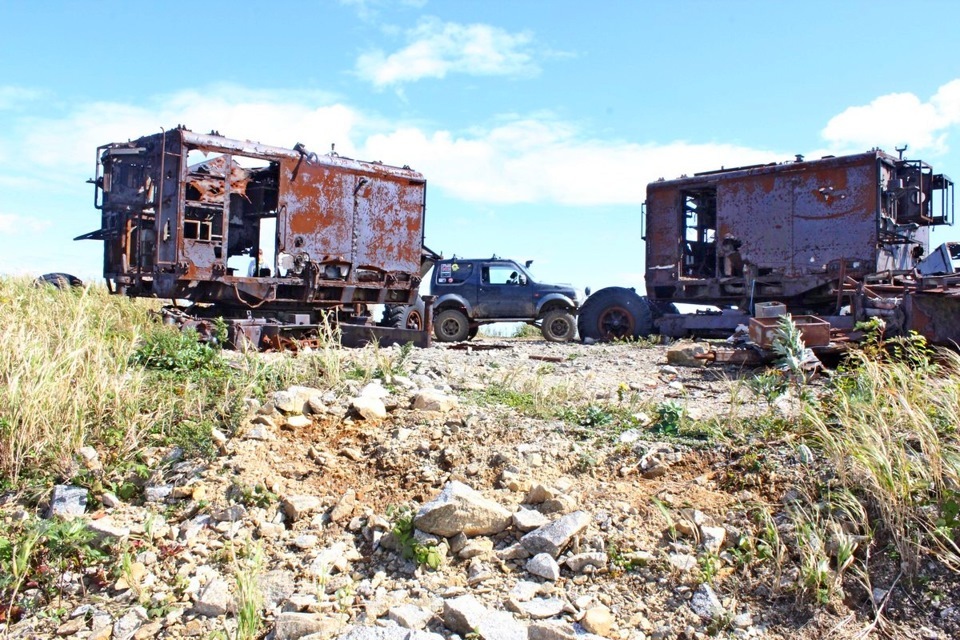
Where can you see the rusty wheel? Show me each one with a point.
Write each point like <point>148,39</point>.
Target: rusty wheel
<point>616,322</point>
<point>404,316</point>
<point>414,320</point>
<point>615,313</point>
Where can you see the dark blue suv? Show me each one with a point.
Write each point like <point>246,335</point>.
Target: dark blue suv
<point>473,292</point>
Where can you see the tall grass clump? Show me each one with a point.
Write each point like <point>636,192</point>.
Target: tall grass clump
<point>81,367</point>
<point>889,427</point>
<point>64,374</point>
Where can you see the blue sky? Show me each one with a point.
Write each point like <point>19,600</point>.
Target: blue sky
<point>537,124</point>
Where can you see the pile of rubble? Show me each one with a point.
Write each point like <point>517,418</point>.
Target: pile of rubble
<point>506,536</point>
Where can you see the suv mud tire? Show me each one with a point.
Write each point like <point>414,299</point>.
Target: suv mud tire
<point>61,281</point>
<point>615,313</point>
<point>451,326</point>
<point>404,316</point>
<point>558,326</point>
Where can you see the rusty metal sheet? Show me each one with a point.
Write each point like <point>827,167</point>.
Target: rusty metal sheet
<point>225,175</point>
<point>389,223</point>
<point>316,211</point>
<point>795,222</point>
<point>793,230</point>
<point>934,315</point>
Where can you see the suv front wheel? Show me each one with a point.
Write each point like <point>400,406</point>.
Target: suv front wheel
<point>451,326</point>
<point>558,326</point>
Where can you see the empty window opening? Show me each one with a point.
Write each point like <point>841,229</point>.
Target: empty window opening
<point>699,243</point>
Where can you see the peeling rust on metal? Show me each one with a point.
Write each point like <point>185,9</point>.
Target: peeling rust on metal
<point>280,234</point>
<point>249,226</point>
<point>792,232</point>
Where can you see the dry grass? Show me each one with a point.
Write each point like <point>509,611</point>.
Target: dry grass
<point>64,377</point>
<point>890,431</point>
<point>85,368</point>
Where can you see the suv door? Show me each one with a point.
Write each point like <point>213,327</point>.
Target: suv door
<point>505,292</point>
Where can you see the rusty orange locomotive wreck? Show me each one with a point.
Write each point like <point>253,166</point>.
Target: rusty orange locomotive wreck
<point>265,235</point>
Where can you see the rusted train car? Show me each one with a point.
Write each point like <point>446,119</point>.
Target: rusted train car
<point>254,230</point>
<point>805,233</point>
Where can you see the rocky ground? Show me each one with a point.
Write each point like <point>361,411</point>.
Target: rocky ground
<point>522,522</point>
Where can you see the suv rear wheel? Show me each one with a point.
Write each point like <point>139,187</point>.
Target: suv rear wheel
<point>451,326</point>
<point>558,326</point>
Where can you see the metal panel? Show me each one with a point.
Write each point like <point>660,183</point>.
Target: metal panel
<point>389,223</point>
<point>316,211</point>
<point>797,221</point>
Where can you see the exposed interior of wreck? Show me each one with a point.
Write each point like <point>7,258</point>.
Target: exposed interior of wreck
<point>246,226</point>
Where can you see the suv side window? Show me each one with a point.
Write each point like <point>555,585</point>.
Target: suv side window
<point>502,274</point>
<point>453,272</point>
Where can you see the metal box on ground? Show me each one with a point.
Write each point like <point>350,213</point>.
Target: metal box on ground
<point>769,309</point>
<point>815,331</point>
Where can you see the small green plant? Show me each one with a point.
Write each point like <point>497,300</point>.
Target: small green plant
<point>169,349</point>
<point>249,595</point>
<point>587,460</point>
<point>769,385</point>
<point>16,560</point>
<point>710,565</point>
<point>669,417</point>
<point>124,569</point>
<point>255,496</point>
<point>788,344</point>
<point>344,598</point>
<point>410,548</point>
<point>620,560</point>
<point>667,516</point>
<point>526,332</point>
<point>40,552</point>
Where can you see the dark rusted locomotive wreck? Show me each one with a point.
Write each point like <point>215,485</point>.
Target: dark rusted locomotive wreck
<point>265,235</point>
<point>846,234</point>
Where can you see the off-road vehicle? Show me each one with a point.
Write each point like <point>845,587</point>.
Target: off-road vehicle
<point>469,293</point>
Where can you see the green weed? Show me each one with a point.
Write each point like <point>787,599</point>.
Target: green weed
<point>402,529</point>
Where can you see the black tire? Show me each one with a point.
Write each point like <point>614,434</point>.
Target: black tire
<point>615,313</point>
<point>61,281</point>
<point>473,332</point>
<point>404,316</point>
<point>451,326</point>
<point>558,326</point>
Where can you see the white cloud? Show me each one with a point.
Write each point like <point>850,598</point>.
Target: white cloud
<point>896,119</point>
<point>370,9</point>
<point>537,159</point>
<point>13,97</point>
<point>437,48</point>
<point>275,118</point>
<point>13,224</point>
<point>547,162</point>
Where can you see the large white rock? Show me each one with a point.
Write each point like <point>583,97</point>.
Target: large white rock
<point>460,509</point>
<point>298,506</point>
<point>544,566</point>
<point>554,537</point>
<point>294,399</point>
<point>467,615</point>
<point>705,603</point>
<point>215,600</point>
<point>369,407</point>
<point>434,400</point>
